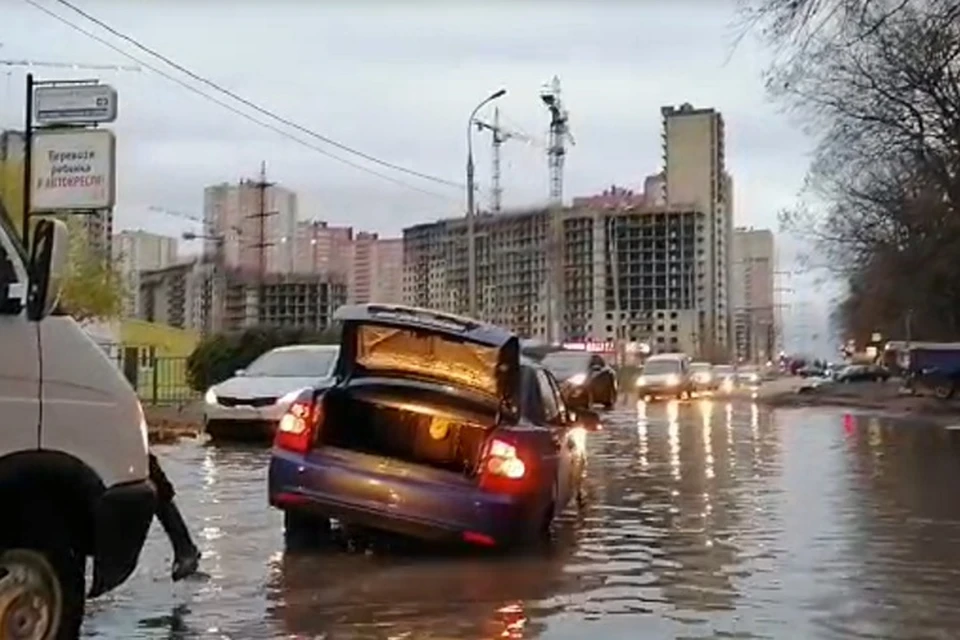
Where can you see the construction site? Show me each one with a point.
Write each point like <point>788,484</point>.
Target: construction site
<point>617,267</point>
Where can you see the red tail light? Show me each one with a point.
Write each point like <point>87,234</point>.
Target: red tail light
<point>502,468</point>
<point>297,430</point>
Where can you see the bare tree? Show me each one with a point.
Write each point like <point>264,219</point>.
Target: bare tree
<point>877,83</point>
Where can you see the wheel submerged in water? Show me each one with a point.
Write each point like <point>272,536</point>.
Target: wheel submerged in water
<point>31,600</point>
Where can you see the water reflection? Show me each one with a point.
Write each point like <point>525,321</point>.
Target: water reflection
<point>705,520</point>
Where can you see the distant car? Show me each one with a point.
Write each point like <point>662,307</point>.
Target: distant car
<point>585,378</point>
<point>665,375</point>
<point>863,373</point>
<point>748,376</point>
<point>436,428</point>
<point>726,377</point>
<point>248,406</point>
<point>702,378</point>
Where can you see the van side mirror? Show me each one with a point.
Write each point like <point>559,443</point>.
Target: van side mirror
<point>47,267</point>
<point>589,420</point>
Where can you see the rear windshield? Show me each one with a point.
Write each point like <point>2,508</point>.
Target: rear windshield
<point>430,355</point>
<point>700,366</point>
<point>296,363</point>
<point>566,364</point>
<point>660,367</point>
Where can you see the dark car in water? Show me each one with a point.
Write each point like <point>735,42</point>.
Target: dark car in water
<point>435,428</point>
<point>863,373</point>
<point>585,378</point>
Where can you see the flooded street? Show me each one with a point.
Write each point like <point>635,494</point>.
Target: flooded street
<point>706,520</point>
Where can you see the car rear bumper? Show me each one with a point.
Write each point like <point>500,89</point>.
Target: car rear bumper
<point>122,519</point>
<point>395,496</point>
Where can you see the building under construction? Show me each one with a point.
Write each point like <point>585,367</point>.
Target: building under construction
<point>195,295</point>
<point>632,273</point>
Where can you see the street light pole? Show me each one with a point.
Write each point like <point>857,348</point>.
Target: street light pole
<point>471,212</point>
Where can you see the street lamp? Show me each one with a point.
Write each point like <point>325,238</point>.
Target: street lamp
<point>471,214</point>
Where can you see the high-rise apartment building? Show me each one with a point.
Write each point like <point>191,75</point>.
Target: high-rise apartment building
<point>376,273</point>
<point>695,176</point>
<point>752,294</point>
<point>630,271</point>
<point>135,252</point>
<point>250,241</point>
<point>321,248</point>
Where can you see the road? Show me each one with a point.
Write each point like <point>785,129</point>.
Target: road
<point>705,520</point>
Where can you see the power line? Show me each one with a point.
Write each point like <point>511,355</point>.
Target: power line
<point>235,110</point>
<point>252,105</point>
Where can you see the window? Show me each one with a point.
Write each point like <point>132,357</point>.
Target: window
<point>549,399</point>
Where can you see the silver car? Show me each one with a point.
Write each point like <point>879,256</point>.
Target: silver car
<point>249,405</point>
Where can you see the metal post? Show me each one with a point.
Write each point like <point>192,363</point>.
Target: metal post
<point>471,231</point>
<point>471,213</point>
<point>27,161</point>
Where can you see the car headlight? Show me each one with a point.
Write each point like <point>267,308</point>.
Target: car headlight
<point>672,380</point>
<point>290,397</point>
<point>754,377</point>
<point>578,379</point>
<point>641,381</point>
<point>210,397</point>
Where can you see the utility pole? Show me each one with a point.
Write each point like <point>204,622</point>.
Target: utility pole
<point>471,211</point>
<point>262,185</point>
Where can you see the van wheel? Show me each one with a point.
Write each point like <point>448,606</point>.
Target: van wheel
<point>41,594</point>
<point>304,531</point>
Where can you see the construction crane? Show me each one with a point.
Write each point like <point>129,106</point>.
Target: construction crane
<point>70,65</point>
<point>559,137</point>
<point>499,136</point>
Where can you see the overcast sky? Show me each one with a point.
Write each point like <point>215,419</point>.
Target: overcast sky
<point>397,80</point>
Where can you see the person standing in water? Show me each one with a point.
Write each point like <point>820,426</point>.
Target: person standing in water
<point>186,555</point>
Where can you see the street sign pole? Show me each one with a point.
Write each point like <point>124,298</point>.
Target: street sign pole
<point>27,161</point>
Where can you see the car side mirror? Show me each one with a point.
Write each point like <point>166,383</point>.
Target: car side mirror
<point>240,373</point>
<point>47,267</point>
<point>589,420</point>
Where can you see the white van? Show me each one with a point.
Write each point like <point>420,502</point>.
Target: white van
<point>73,451</point>
<point>665,375</point>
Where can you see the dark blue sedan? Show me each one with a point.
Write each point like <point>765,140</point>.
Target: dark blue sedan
<point>435,428</point>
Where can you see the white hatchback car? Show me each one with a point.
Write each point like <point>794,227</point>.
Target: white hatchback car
<point>248,406</point>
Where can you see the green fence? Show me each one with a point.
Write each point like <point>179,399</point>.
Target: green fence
<point>159,380</point>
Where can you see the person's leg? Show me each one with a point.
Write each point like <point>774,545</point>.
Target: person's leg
<point>186,556</point>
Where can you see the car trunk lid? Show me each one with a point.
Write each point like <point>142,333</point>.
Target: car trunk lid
<point>417,344</point>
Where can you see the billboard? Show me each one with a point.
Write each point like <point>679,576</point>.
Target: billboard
<point>73,170</point>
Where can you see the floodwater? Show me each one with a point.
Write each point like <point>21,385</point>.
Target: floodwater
<point>706,520</point>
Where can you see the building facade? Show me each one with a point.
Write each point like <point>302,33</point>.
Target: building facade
<point>752,294</point>
<point>321,248</point>
<point>180,295</point>
<point>281,300</point>
<point>138,251</point>
<point>376,269</point>
<point>695,176</point>
<point>630,273</point>
<point>248,240</point>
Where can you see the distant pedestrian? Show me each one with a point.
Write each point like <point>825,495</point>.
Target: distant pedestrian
<point>186,556</point>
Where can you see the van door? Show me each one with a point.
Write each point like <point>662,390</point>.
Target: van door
<point>19,352</point>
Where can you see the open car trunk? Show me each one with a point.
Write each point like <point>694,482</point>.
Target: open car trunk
<point>422,424</point>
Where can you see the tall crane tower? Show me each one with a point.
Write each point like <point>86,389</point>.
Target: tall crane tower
<point>499,136</point>
<point>559,137</point>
